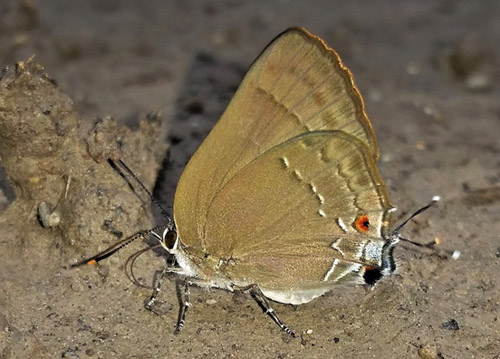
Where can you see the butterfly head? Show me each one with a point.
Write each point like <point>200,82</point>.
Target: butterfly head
<point>373,274</point>
<point>168,239</point>
<point>388,265</point>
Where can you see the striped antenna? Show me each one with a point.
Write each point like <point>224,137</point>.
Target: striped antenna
<point>455,254</point>
<point>170,224</point>
<point>118,246</point>
<point>417,212</point>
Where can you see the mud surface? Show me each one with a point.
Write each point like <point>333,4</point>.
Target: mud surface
<point>428,71</point>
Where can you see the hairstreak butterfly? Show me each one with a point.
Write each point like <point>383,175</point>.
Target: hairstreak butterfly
<point>283,199</point>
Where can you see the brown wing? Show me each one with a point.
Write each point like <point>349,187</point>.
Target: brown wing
<point>295,86</point>
<point>283,212</point>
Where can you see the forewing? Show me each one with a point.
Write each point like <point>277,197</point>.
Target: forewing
<point>281,215</point>
<point>296,85</point>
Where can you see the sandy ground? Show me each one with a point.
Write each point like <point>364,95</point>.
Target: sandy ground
<point>428,71</point>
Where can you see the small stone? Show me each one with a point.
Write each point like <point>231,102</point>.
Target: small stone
<point>428,352</point>
<point>70,354</point>
<point>451,324</point>
<point>456,254</point>
<point>211,301</point>
<point>47,218</point>
<point>420,145</point>
<point>89,352</point>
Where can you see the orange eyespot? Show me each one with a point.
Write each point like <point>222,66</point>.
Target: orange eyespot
<point>362,224</point>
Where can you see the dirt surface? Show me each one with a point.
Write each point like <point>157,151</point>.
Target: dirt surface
<point>428,71</point>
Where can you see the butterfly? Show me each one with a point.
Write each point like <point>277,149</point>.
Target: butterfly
<point>283,199</point>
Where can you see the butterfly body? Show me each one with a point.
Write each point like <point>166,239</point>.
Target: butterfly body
<point>281,283</point>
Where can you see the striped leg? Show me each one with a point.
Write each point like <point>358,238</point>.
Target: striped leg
<point>182,292</point>
<point>184,303</point>
<point>149,304</point>
<point>262,301</point>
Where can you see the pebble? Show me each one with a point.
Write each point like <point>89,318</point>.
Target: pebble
<point>451,324</point>
<point>428,352</point>
<point>70,354</point>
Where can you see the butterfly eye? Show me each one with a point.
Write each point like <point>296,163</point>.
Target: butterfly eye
<point>362,223</point>
<point>372,275</point>
<point>170,238</point>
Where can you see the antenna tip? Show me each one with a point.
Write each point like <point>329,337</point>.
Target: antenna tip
<point>436,198</point>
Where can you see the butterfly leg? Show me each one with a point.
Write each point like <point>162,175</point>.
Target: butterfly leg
<point>184,303</point>
<point>149,304</point>
<point>262,301</point>
<point>182,292</point>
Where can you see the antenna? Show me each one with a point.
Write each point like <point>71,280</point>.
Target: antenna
<point>454,254</point>
<point>417,212</point>
<point>170,224</point>
<point>142,234</point>
<point>116,247</point>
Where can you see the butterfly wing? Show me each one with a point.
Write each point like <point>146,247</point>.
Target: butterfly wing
<point>286,217</point>
<point>295,86</point>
